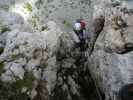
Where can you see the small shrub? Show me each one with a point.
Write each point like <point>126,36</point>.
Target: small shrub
<point>1,50</point>
<point>9,92</point>
<point>27,81</point>
<point>44,28</point>
<point>5,29</point>
<point>66,23</point>
<point>44,66</point>
<point>1,67</point>
<point>14,56</point>
<point>28,7</point>
<point>5,7</point>
<point>34,20</point>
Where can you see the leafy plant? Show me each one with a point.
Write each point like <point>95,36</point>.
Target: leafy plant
<point>5,7</point>
<point>28,7</point>
<point>44,28</point>
<point>44,66</point>
<point>9,92</point>
<point>1,50</point>
<point>34,20</point>
<point>1,67</point>
<point>27,81</point>
<point>66,23</point>
<point>14,56</point>
<point>5,29</point>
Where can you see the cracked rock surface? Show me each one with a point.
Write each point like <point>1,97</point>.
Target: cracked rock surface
<point>111,60</point>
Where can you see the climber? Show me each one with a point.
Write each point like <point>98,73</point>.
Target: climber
<point>80,31</point>
<point>126,92</point>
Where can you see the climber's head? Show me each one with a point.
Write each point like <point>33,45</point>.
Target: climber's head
<point>78,20</point>
<point>126,92</point>
<point>82,22</point>
<point>79,25</point>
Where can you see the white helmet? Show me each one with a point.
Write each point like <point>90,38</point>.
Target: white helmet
<point>77,26</point>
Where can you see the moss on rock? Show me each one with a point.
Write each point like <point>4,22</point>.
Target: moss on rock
<point>14,56</point>
<point>1,50</point>
<point>1,67</point>
<point>28,7</point>
<point>66,23</point>
<point>5,29</point>
<point>27,81</point>
<point>9,92</point>
<point>5,7</point>
<point>44,28</point>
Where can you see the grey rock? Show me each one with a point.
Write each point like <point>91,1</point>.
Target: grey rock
<point>111,59</point>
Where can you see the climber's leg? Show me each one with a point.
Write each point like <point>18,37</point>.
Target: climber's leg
<point>126,92</point>
<point>82,45</point>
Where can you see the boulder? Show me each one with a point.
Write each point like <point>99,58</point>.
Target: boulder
<point>111,60</point>
<point>28,63</point>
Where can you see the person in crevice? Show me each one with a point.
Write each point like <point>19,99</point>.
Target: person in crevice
<point>80,31</point>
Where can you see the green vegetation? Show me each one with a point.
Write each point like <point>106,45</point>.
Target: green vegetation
<point>28,7</point>
<point>44,66</point>
<point>1,50</point>
<point>1,67</point>
<point>13,91</point>
<point>44,28</point>
<point>17,56</point>
<point>16,47</point>
<point>34,20</point>
<point>4,29</point>
<point>5,7</point>
<point>66,23</point>
<point>14,56</point>
<point>27,81</point>
<point>8,91</point>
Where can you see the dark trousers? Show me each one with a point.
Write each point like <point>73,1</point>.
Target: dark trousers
<point>82,43</point>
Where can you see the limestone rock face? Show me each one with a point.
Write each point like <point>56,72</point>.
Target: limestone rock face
<point>39,61</point>
<point>8,22</point>
<point>111,60</point>
<point>73,77</point>
<point>37,12</point>
<point>42,65</point>
<point>28,63</point>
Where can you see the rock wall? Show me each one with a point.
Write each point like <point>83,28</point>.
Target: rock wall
<point>38,61</point>
<point>28,63</point>
<point>41,65</point>
<point>73,77</point>
<point>111,60</point>
<point>38,12</point>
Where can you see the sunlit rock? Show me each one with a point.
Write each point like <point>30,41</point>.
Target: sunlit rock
<point>111,59</point>
<point>29,58</point>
